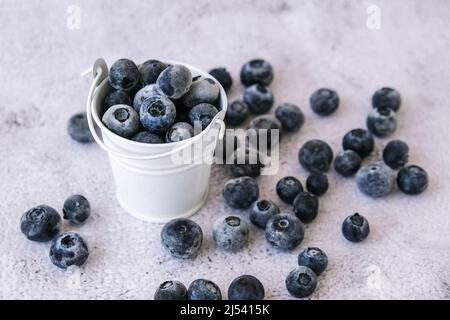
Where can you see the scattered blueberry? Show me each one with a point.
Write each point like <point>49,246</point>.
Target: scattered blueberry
<point>171,290</point>
<point>315,156</point>
<point>179,131</point>
<point>202,114</point>
<point>258,98</point>
<point>147,137</point>
<point>76,209</point>
<point>387,98</point>
<point>226,147</point>
<point>376,180</point>
<point>396,154</point>
<point>231,233</point>
<point>40,223</point>
<point>240,193</point>
<point>124,75</point>
<point>246,287</point>
<point>324,101</point>
<point>68,249</point>
<point>301,282</point>
<point>382,122</point>
<point>347,163</point>
<point>355,228</point>
<point>284,231</point>
<point>237,113</point>
<point>290,116</point>
<point>360,141</point>
<point>264,130</point>
<point>223,76</point>
<point>306,206</point>
<point>288,188</point>
<point>257,71</point>
<point>317,183</point>
<point>116,97</point>
<point>412,180</point>
<point>175,81</point>
<point>246,162</point>
<point>150,71</point>
<point>123,120</point>
<point>78,128</point>
<point>202,289</point>
<point>313,258</point>
<point>203,90</point>
<point>143,94</point>
<point>182,238</point>
<point>262,211</point>
<point>157,114</point>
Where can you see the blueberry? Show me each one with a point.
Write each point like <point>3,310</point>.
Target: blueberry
<point>317,183</point>
<point>202,114</point>
<point>315,156</point>
<point>231,233</point>
<point>237,113</point>
<point>40,223</point>
<point>262,211</point>
<point>264,130</point>
<point>150,71</point>
<point>78,128</point>
<point>284,231</point>
<point>76,209</point>
<point>171,290</point>
<point>157,114</point>
<point>143,94</point>
<point>175,81</point>
<point>179,131</point>
<point>240,193</point>
<point>147,137</point>
<point>290,116</point>
<point>355,228</point>
<point>246,287</point>
<point>116,97</point>
<point>376,180</point>
<point>288,188</point>
<point>182,238</point>
<point>258,98</point>
<point>202,289</point>
<point>227,146</point>
<point>123,120</point>
<point>223,76</point>
<point>306,206</point>
<point>313,258</point>
<point>124,75</point>
<point>382,122</point>
<point>203,90</point>
<point>246,162</point>
<point>360,141</point>
<point>396,154</point>
<point>257,71</point>
<point>301,282</point>
<point>324,101</point>
<point>68,249</point>
<point>347,163</point>
<point>388,98</point>
<point>412,180</point>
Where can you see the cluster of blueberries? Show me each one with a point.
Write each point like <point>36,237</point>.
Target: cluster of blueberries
<point>42,223</point>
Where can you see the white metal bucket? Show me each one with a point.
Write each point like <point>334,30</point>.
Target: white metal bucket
<point>150,185</point>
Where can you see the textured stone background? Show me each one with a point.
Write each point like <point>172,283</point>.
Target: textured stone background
<point>310,44</point>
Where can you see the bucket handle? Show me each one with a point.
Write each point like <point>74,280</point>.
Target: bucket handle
<point>100,72</point>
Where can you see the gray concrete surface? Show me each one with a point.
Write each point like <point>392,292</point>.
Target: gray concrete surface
<point>310,44</point>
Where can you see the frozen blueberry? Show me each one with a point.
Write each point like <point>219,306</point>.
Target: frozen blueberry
<point>382,122</point>
<point>306,206</point>
<point>262,211</point>
<point>116,97</point>
<point>143,94</point>
<point>147,137</point>
<point>171,290</point>
<point>78,128</point>
<point>347,163</point>
<point>317,183</point>
<point>157,114</point>
<point>313,258</point>
<point>412,180</point>
<point>175,81</point>
<point>231,233</point>
<point>288,188</point>
<point>284,231</point>
<point>122,120</point>
<point>360,141</point>
<point>202,289</point>
<point>376,180</point>
<point>396,154</point>
<point>324,101</point>
<point>202,114</point>
<point>223,76</point>
<point>246,287</point>
<point>182,238</point>
<point>76,209</point>
<point>203,90</point>
<point>226,147</point>
<point>124,75</point>
<point>264,130</point>
<point>257,71</point>
<point>258,98</point>
<point>240,193</point>
<point>237,113</point>
<point>355,228</point>
<point>290,116</point>
<point>40,223</point>
<point>246,162</point>
<point>301,282</point>
<point>150,71</point>
<point>68,249</point>
<point>388,98</point>
<point>315,156</point>
<point>179,131</point>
